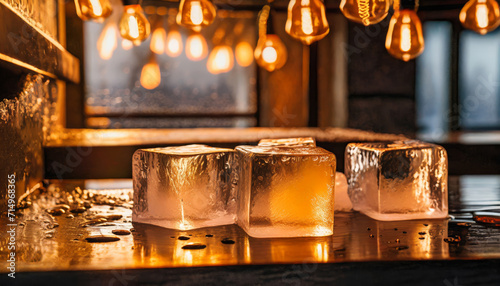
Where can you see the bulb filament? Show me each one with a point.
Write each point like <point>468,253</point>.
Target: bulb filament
<point>364,10</point>
<point>96,7</point>
<point>133,26</point>
<point>482,15</point>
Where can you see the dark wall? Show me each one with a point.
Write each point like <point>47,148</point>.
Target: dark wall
<point>381,88</point>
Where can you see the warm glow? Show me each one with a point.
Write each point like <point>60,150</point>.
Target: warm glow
<point>107,42</point>
<point>196,47</point>
<point>96,10</point>
<point>174,43</point>
<point>366,12</point>
<point>195,14</point>
<point>270,53</point>
<point>134,25</point>
<point>127,45</point>
<point>220,60</point>
<point>158,41</point>
<point>405,40</point>
<point>306,20</point>
<point>244,54</point>
<point>151,75</point>
<point>406,34</point>
<point>481,16</point>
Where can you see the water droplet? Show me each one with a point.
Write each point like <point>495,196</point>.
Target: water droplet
<point>184,238</point>
<point>422,233</point>
<point>227,241</point>
<point>102,238</point>
<point>209,235</point>
<point>120,232</point>
<point>193,246</point>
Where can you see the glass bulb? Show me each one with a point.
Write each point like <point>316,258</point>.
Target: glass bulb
<point>270,53</point>
<point>366,12</point>
<point>195,14</point>
<point>151,75</point>
<point>96,10</point>
<point>107,42</point>
<point>174,43</point>
<point>220,60</point>
<point>405,40</point>
<point>134,25</point>
<point>481,16</point>
<point>306,20</point>
<point>158,41</point>
<point>244,54</point>
<point>196,47</point>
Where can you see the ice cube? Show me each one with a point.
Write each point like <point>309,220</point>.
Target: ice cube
<point>286,191</point>
<point>398,181</point>
<point>289,142</point>
<point>342,200</point>
<point>184,187</point>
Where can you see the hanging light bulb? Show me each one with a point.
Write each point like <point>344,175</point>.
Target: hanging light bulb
<point>244,54</point>
<point>405,40</point>
<point>158,40</point>
<point>174,43</point>
<point>306,20</point>
<point>220,60</point>
<point>195,14</point>
<point>96,10</point>
<point>134,25</point>
<point>366,12</point>
<point>150,74</point>
<point>107,42</point>
<point>196,47</point>
<point>270,53</point>
<point>481,16</point>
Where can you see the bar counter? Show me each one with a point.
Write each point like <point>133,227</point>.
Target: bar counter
<point>455,251</point>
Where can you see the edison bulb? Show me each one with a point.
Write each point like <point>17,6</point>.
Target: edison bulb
<point>405,39</point>
<point>306,20</point>
<point>196,47</point>
<point>151,75</point>
<point>134,25</point>
<point>96,10</point>
<point>270,53</point>
<point>174,43</point>
<point>481,16</point>
<point>158,41</point>
<point>244,54</point>
<point>220,60</point>
<point>107,42</point>
<point>366,12</point>
<point>195,14</point>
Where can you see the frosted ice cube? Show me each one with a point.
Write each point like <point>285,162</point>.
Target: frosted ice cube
<point>342,200</point>
<point>184,187</point>
<point>286,192</point>
<point>398,181</point>
<point>289,142</point>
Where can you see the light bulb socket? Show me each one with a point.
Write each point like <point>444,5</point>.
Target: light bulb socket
<point>131,2</point>
<point>408,4</point>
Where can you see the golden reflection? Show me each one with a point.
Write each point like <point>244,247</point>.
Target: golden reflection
<point>158,40</point>
<point>151,74</point>
<point>196,47</point>
<point>174,43</point>
<point>221,60</point>
<point>244,54</point>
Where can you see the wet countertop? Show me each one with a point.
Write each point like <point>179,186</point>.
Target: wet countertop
<point>58,243</point>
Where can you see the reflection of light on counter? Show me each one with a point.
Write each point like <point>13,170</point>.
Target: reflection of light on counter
<point>174,43</point>
<point>244,54</point>
<point>220,60</point>
<point>196,47</point>
<point>107,42</point>
<point>158,41</point>
<point>321,254</point>
<point>151,75</point>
